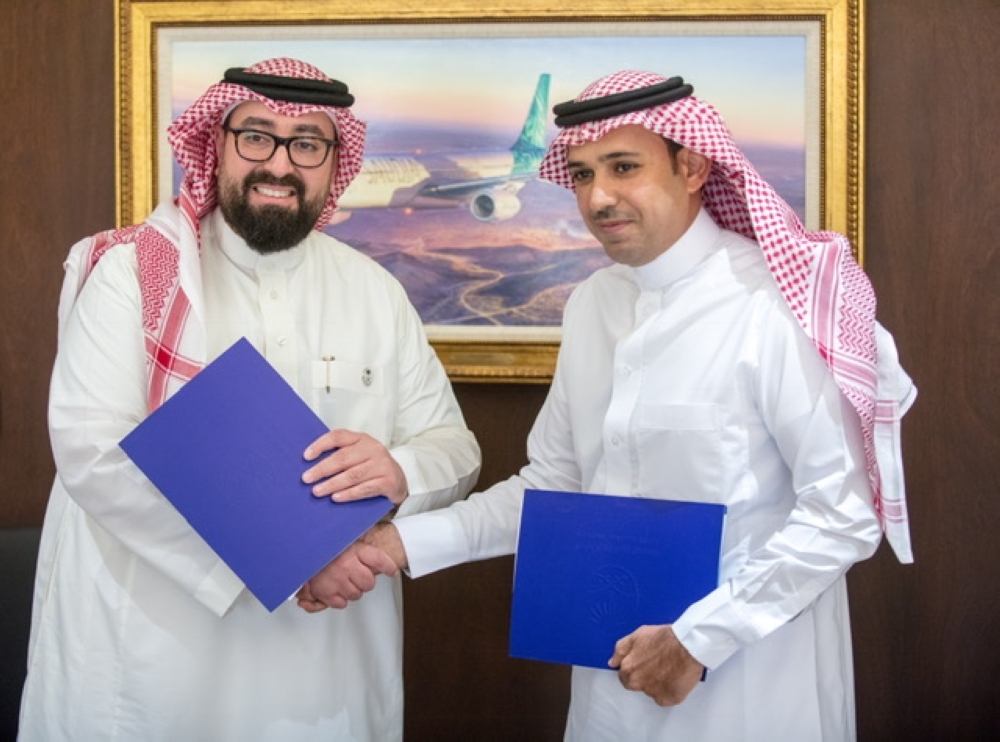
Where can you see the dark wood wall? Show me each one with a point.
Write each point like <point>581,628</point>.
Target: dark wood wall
<point>926,636</point>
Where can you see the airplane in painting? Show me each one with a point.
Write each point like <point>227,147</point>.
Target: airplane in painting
<point>487,183</point>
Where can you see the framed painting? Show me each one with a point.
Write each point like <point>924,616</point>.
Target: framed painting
<point>457,96</point>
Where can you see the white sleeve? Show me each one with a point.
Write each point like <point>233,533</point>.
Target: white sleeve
<point>430,441</point>
<point>97,396</point>
<point>832,524</point>
<point>486,524</point>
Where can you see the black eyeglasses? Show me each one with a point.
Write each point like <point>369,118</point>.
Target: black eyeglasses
<point>259,146</point>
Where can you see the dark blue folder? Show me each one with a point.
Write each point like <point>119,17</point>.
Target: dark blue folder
<point>591,569</point>
<point>226,450</point>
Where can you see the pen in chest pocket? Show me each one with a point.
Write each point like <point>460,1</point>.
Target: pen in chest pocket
<point>328,359</point>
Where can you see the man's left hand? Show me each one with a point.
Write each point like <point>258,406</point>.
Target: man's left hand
<point>359,467</point>
<point>652,660</point>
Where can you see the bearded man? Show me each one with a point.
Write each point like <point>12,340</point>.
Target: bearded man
<point>730,356</point>
<point>139,630</point>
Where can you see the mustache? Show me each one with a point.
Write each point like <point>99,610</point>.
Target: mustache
<point>266,178</point>
<point>606,214</point>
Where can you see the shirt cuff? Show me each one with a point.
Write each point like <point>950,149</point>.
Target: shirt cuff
<point>220,589</point>
<point>714,628</point>
<point>433,541</point>
<point>407,461</point>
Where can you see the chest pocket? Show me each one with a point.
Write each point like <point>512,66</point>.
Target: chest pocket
<point>349,394</point>
<point>348,376</point>
<point>680,451</point>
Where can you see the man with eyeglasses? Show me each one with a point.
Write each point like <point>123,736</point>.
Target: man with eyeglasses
<point>140,631</point>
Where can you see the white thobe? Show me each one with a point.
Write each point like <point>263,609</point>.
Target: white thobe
<point>689,379</point>
<point>139,631</point>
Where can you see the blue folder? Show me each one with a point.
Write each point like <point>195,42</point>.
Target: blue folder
<point>226,450</point>
<point>591,569</point>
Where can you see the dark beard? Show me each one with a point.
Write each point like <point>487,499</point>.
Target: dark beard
<point>268,229</point>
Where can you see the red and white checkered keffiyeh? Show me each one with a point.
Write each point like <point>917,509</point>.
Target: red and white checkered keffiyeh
<point>192,135</point>
<point>168,243</point>
<point>816,273</point>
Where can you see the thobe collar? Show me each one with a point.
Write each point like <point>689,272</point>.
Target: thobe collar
<point>694,246</point>
<point>242,255</point>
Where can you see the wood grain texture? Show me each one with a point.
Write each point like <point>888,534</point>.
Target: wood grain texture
<point>58,184</point>
<point>460,683</point>
<point>925,637</point>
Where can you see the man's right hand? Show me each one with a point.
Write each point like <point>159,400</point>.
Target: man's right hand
<point>354,573</point>
<point>385,537</point>
<point>346,578</point>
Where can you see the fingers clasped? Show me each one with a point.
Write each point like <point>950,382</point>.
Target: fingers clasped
<point>346,579</point>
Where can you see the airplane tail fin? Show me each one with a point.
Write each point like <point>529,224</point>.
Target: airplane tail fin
<point>529,148</point>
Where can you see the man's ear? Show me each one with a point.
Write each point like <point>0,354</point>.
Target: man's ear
<point>220,144</point>
<point>695,168</point>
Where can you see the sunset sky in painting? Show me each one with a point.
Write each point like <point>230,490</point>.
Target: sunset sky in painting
<point>757,82</point>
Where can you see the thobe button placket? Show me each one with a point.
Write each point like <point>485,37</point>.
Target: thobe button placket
<point>279,327</point>
<point>646,306</point>
<point>625,394</point>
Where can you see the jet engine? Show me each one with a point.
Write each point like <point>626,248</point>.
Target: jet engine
<point>491,206</point>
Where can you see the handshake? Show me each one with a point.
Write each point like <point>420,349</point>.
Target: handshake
<point>354,572</point>
<point>352,466</point>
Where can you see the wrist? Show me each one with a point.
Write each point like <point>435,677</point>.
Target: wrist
<point>384,536</point>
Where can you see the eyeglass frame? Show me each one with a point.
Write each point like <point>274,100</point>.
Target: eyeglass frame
<point>282,142</point>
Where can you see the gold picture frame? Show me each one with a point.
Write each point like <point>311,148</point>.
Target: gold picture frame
<point>836,24</point>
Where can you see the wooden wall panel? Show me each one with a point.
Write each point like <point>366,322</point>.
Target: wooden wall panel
<point>460,683</point>
<point>925,636</point>
<point>57,185</point>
